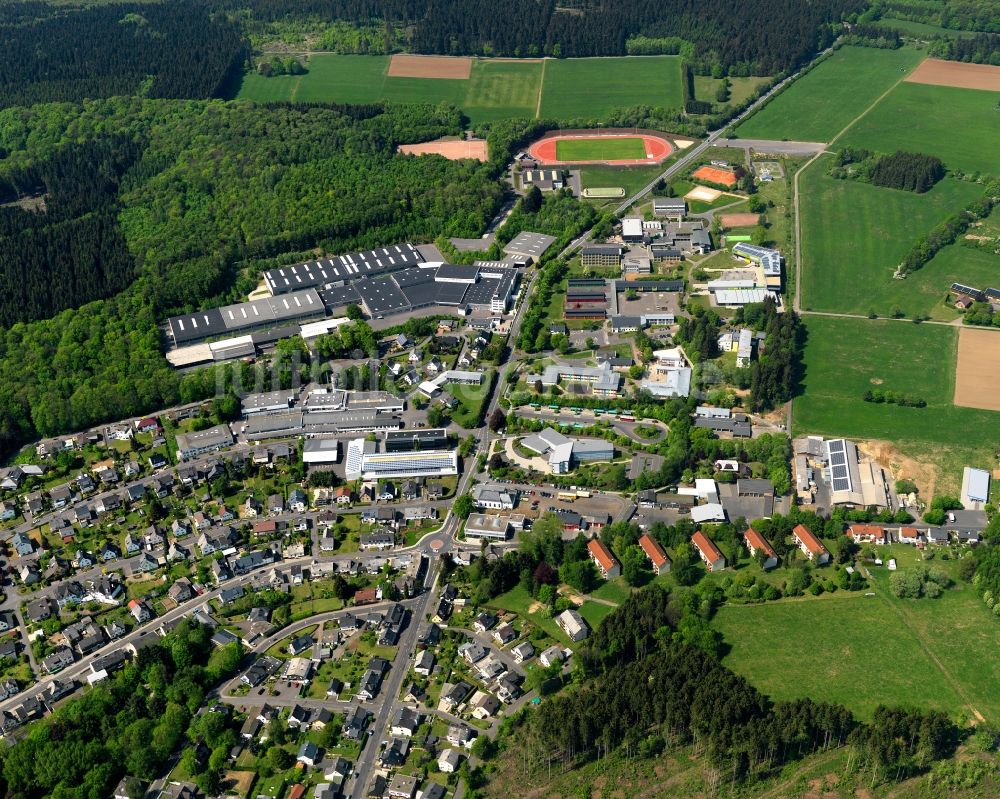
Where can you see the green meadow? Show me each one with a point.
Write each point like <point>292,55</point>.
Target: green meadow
<point>496,88</point>
<point>823,102</point>
<point>855,234</point>
<point>959,126</point>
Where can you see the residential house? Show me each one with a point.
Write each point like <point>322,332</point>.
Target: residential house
<point>606,563</point>
<point>656,555</point>
<point>708,552</point>
<point>572,623</point>
<point>757,543</point>
<point>810,545</point>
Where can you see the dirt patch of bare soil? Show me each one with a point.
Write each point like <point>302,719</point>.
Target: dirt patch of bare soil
<point>956,74</point>
<point>886,455</point>
<point>429,66</point>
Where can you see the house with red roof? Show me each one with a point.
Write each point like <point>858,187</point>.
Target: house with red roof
<point>910,535</point>
<point>866,534</point>
<point>708,552</point>
<point>757,543</point>
<point>606,563</point>
<point>810,545</point>
<point>658,559</point>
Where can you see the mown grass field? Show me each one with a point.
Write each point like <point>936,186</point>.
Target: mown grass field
<point>855,234</point>
<point>921,29</point>
<point>590,87</point>
<point>822,103</point>
<point>844,648</point>
<point>959,126</point>
<point>496,88</point>
<point>600,149</point>
<point>844,357</point>
<point>863,651</point>
<point>630,178</point>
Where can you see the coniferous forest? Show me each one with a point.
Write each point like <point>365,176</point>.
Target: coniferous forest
<point>723,32</point>
<point>53,53</point>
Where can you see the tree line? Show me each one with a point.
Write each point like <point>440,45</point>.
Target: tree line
<point>713,32</point>
<point>161,50</point>
<point>647,688</point>
<point>947,232</point>
<point>774,376</point>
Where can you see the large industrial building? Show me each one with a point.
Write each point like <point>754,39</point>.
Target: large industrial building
<point>383,282</point>
<point>246,316</point>
<point>340,268</point>
<point>363,461</point>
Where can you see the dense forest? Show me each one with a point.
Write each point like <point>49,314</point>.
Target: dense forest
<point>723,33</point>
<point>131,723</point>
<point>54,53</point>
<point>73,251</point>
<point>648,686</point>
<point>211,193</point>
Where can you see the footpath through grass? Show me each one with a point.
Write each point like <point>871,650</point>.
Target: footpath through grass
<point>823,102</point>
<point>864,651</point>
<point>959,126</point>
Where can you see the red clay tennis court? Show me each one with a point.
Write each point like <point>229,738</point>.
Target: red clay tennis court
<point>657,148</point>
<point>713,174</point>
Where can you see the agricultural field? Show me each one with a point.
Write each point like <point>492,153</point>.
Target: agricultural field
<point>862,651</point>
<point>600,149</point>
<point>495,88</point>
<point>855,234</point>
<point>844,357</point>
<point>590,87</point>
<point>959,126</point>
<point>823,102</point>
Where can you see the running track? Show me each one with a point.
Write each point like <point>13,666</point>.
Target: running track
<point>657,149</point>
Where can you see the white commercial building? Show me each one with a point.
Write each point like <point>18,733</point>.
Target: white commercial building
<point>365,463</point>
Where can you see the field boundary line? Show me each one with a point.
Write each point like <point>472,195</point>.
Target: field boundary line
<point>797,299</point>
<point>541,88</point>
<point>905,619</point>
<point>878,100</point>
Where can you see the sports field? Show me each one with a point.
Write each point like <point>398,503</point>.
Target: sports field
<point>864,651</point>
<point>494,88</point>
<point>855,234</point>
<point>823,102</point>
<point>600,149</point>
<point>590,87</point>
<point>959,126</point>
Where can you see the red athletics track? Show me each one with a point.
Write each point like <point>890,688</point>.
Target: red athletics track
<point>657,149</point>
